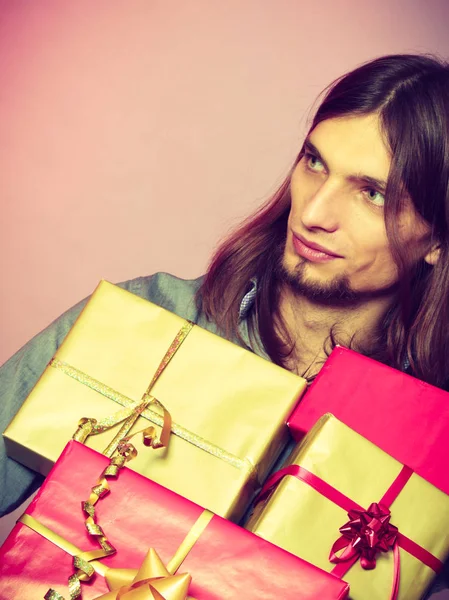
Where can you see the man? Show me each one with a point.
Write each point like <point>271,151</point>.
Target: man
<point>353,247</point>
<point>355,242</point>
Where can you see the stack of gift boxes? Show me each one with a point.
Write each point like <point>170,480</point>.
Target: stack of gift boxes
<point>177,435</point>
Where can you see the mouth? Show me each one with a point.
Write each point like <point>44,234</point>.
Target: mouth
<point>311,251</point>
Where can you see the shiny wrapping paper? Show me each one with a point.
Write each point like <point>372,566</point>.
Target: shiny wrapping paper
<point>378,402</point>
<point>226,562</point>
<point>229,407</point>
<point>302,521</point>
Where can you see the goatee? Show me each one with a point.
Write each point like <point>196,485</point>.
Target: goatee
<point>336,292</point>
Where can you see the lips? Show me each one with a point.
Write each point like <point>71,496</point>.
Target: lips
<point>312,251</point>
<point>317,247</point>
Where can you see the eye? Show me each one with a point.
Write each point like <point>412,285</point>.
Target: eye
<point>374,196</point>
<point>313,163</point>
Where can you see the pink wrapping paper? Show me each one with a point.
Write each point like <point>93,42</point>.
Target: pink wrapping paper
<point>226,562</point>
<point>405,417</point>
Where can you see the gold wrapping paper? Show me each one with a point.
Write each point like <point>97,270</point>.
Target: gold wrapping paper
<point>228,406</point>
<point>305,523</point>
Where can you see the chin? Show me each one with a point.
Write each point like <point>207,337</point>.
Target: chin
<point>335,290</point>
<point>319,273</point>
<point>330,290</point>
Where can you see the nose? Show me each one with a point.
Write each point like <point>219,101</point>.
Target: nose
<point>321,209</point>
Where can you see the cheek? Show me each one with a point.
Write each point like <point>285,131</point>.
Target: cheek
<point>295,187</point>
<point>372,244</point>
<point>374,266</point>
<point>384,261</point>
<point>383,267</point>
<point>301,189</point>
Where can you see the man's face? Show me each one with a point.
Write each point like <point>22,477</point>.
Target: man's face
<point>337,246</point>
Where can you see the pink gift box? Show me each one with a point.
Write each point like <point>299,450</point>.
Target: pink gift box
<point>225,562</point>
<point>404,416</point>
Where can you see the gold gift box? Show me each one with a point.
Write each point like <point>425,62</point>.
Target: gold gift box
<point>306,523</point>
<point>229,407</point>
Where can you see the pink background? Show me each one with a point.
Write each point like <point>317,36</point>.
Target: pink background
<point>133,135</point>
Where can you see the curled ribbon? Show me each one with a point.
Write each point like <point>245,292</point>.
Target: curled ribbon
<point>118,579</point>
<point>83,570</point>
<point>151,582</point>
<point>129,415</point>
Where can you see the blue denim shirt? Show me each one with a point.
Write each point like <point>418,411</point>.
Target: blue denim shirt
<point>20,373</point>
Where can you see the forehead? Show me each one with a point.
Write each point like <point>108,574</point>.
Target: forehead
<point>353,146</point>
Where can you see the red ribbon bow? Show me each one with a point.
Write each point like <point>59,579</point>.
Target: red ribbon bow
<point>367,531</point>
<point>365,534</point>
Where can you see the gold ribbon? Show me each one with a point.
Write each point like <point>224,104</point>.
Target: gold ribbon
<point>89,426</point>
<point>130,415</point>
<point>83,570</point>
<point>99,568</point>
<point>126,427</point>
<point>152,581</point>
<point>145,409</point>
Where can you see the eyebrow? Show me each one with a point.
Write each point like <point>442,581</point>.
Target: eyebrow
<point>358,178</point>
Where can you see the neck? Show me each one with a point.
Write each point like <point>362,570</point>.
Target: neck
<point>309,326</point>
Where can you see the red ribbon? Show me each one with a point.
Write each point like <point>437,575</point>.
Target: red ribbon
<point>365,534</point>
<point>368,531</point>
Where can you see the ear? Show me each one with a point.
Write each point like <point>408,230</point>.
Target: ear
<point>433,255</point>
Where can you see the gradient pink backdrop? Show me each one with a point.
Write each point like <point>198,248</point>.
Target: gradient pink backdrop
<point>134,134</point>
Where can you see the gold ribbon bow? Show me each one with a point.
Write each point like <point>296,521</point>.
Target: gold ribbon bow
<point>118,578</point>
<point>129,415</point>
<point>151,582</point>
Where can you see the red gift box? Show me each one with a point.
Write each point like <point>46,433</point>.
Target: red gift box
<point>225,562</point>
<point>404,416</point>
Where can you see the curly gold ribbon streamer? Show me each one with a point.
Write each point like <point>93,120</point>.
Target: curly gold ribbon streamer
<point>150,438</point>
<point>180,555</point>
<point>87,427</point>
<point>83,570</point>
<point>59,541</point>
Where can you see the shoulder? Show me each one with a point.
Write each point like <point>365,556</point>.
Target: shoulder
<point>21,371</point>
<point>173,293</point>
<point>170,292</point>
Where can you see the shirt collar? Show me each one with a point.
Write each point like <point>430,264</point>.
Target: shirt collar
<point>247,303</point>
<point>253,342</point>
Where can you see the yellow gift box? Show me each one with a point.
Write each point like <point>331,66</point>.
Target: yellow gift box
<point>228,406</point>
<point>305,522</point>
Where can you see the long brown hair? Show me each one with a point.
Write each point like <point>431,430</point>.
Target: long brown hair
<point>411,95</point>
